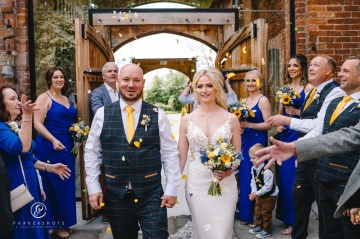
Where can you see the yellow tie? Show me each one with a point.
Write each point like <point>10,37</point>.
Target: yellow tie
<point>130,123</point>
<point>310,99</point>
<point>339,107</point>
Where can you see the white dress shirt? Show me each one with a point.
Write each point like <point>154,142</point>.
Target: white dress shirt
<point>268,181</point>
<point>168,149</point>
<point>308,125</point>
<point>319,128</point>
<point>113,94</point>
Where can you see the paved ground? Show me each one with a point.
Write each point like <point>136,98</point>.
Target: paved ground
<point>179,228</point>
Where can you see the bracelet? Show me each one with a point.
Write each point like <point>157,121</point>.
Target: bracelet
<point>26,120</point>
<point>46,165</point>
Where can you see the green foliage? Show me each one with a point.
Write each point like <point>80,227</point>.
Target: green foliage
<point>164,90</point>
<point>54,43</point>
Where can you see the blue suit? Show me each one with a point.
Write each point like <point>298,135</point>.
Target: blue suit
<point>99,97</point>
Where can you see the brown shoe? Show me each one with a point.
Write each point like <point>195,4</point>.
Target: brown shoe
<point>61,233</point>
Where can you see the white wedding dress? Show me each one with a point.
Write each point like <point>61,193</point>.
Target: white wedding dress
<point>212,216</point>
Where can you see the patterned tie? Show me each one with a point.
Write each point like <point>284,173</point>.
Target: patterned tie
<point>130,122</point>
<point>310,99</point>
<point>339,107</point>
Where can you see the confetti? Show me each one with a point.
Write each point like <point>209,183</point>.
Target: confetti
<point>244,50</point>
<point>102,204</point>
<point>223,60</point>
<point>172,136</point>
<point>230,75</point>
<point>108,230</point>
<point>207,227</point>
<point>298,186</point>
<point>184,177</point>
<point>123,158</point>
<point>155,110</point>
<point>227,54</point>
<point>137,144</point>
<point>136,200</point>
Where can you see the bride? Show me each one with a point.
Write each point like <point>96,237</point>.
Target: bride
<point>212,216</point>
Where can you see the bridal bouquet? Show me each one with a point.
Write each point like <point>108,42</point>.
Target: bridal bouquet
<point>286,94</point>
<point>221,156</point>
<point>79,132</point>
<point>242,111</point>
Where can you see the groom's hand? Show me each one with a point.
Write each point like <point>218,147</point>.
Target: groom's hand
<point>168,201</point>
<point>95,200</point>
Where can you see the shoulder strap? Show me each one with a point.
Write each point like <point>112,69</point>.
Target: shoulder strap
<point>49,95</point>
<point>22,170</point>
<point>259,99</point>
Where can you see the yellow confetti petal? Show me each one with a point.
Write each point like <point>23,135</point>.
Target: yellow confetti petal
<point>227,54</point>
<point>172,136</point>
<point>298,186</point>
<point>137,144</point>
<point>230,75</point>
<point>244,50</point>
<point>260,185</point>
<point>184,177</point>
<point>136,200</point>
<point>108,230</point>
<point>102,204</point>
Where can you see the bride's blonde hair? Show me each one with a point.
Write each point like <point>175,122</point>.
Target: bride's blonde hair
<point>217,80</point>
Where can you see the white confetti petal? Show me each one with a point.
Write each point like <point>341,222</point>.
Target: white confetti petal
<point>207,227</point>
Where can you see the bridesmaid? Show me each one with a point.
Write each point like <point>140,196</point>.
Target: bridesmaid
<point>254,131</point>
<point>54,145</point>
<point>296,76</point>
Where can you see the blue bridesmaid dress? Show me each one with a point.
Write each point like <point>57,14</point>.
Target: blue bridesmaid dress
<point>25,224</point>
<point>61,197</point>
<point>285,206</point>
<point>248,139</point>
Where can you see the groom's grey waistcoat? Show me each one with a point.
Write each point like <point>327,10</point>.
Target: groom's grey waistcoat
<point>339,168</point>
<point>124,162</point>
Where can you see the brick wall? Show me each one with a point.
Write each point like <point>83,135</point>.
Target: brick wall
<point>14,43</point>
<point>328,27</point>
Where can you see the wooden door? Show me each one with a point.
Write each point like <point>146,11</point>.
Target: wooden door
<point>92,52</point>
<point>246,49</point>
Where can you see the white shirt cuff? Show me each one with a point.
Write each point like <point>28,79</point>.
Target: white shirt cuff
<point>171,190</point>
<point>94,188</point>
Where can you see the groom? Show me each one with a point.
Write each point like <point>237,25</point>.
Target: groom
<point>133,151</point>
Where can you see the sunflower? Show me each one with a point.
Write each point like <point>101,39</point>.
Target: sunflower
<point>286,100</point>
<point>225,158</point>
<point>251,113</point>
<point>237,113</point>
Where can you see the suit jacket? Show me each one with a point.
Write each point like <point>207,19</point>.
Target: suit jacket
<point>6,215</point>
<point>99,97</point>
<point>342,141</point>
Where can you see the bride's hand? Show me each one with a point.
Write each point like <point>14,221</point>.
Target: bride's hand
<point>220,175</point>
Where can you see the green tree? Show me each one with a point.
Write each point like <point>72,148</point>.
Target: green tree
<point>164,90</point>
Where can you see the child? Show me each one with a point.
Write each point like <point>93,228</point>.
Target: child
<point>264,191</point>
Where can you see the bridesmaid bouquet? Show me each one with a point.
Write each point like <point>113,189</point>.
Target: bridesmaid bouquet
<point>242,111</point>
<point>286,94</point>
<point>221,156</point>
<point>79,132</point>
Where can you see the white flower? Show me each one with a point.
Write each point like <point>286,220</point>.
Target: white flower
<point>14,127</point>
<point>216,152</point>
<point>317,96</point>
<point>155,110</point>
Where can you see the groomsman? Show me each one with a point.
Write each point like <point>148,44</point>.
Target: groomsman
<point>106,93</point>
<point>320,74</point>
<point>332,173</point>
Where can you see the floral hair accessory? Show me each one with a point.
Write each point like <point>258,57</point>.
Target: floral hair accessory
<point>145,121</point>
<point>258,82</point>
<point>14,127</point>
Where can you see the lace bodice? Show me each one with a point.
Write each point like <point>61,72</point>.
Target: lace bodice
<point>198,140</point>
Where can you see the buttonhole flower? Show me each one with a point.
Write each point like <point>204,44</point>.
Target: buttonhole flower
<point>145,121</point>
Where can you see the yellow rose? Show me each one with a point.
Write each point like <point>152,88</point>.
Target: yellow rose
<point>76,128</point>
<point>225,158</point>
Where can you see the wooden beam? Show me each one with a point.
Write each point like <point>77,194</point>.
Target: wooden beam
<point>164,18</point>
